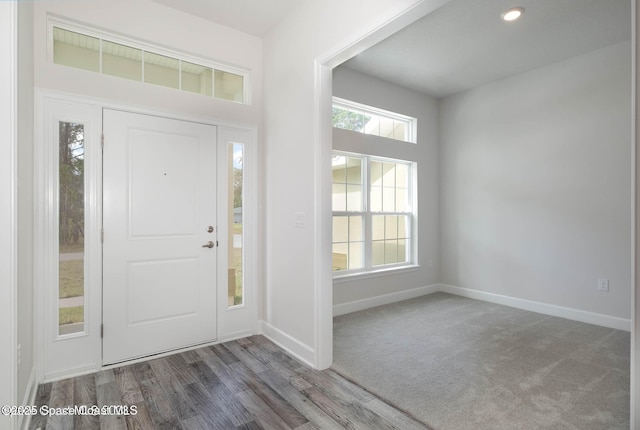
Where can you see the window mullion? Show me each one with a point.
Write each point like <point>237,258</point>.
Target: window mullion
<point>368,251</point>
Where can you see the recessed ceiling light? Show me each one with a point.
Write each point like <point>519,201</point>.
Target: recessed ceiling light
<point>512,14</point>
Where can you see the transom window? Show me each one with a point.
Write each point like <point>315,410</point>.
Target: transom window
<point>110,55</point>
<point>365,119</point>
<point>373,219</point>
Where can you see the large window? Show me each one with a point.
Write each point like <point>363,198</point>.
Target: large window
<point>365,119</point>
<point>373,218</point>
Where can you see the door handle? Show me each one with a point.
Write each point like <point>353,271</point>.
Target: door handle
<point>208,245</point>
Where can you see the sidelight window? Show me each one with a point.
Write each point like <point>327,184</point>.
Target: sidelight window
<point>71,228</point>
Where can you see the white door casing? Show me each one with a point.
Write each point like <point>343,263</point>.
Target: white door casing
<point>159,200</point>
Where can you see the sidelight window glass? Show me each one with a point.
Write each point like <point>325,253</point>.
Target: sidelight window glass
<point>236,218</point>
<point>71,308</point>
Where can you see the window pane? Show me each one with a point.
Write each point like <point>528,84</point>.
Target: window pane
<point>388,199</point>
<point>340,251</point>
<point>354,171</point>
<point>402,200</point>
<point>339,168</point>
<point>389,174</point>
<point>76,50</point>
<point>402,175</point>
<point>348,119</point>
<point>375,200</point>
<point>391,227</point>
<point>161,70</point>
<point>390,251</point>
<point>377,253</point>
<point>377,227</point>
<point>229,86</point>
<point>340,229</point>
<point>122,61</point>
<point>71,228</point>
<point>373,125</point>
<point>386,127</point>
<point>339,197</point>
<point>403,225</point>
<point>235,287</point>
<point>197,79</point>
<point>355,229</point>
<point>354,198</point>
<point>400,130</point>
<point>402,251</point>
<point>376,173</point>
<point>355,255</point>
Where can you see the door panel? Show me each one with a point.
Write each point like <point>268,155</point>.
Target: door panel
<point>159,282</point>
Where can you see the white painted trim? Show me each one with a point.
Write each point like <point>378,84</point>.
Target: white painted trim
<point>29,399</point>
<point>8,208</point>
<point>43,217</point>
<point>385,299</point>
<point>396,19</point>
<point>635,224</point>
<point>235,336</point>
<point>528,305</point>
<point>541,308</point>
<point>232,321</point>
<point>297,349</point>
<point>323,284</point>
<point>135,108</point>
<point>82,350</point>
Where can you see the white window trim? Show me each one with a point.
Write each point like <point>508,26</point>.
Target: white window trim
<point>411,121</point>
<point>65,24</point>
<point>368,270</point>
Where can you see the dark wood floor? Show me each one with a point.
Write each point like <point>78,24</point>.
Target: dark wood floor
<point>244,384</point>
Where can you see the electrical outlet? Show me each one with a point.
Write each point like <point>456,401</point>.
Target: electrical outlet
<point>603,284</point>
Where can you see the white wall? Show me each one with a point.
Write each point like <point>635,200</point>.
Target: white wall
<point>25,200</point>
<point>361,88</point>
<point>297,162</point>
<point>536,184</point>
<point>159,25</point>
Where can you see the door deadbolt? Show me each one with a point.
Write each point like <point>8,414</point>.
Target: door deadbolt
<point>210,229</point>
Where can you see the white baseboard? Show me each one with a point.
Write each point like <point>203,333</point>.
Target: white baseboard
<point>29,399</point>
<point>235,335</point>
<point>293,346</point>
<point>528,305</point>
<point>541,308</point>
<point>385,299</point>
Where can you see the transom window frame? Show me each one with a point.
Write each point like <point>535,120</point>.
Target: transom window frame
<point>368,269</point>
<point>59,22</point>
<point>410,122</point>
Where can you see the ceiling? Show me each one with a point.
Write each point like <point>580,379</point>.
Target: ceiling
<point>465,44</point>
<point>460,46</point>
<point>254,17</point>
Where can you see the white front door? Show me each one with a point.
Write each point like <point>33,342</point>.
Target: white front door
<point>159,278</point>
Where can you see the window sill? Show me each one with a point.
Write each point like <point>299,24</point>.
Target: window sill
<point>375,273</point>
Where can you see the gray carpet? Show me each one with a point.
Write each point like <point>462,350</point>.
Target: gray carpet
<point>456,364</point>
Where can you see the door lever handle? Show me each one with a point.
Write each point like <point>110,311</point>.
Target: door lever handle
<point>208,245</point>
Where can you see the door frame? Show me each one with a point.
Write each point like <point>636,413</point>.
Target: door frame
<point>77,354</point>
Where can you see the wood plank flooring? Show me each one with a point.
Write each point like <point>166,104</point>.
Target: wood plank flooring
<point>245,384</point>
